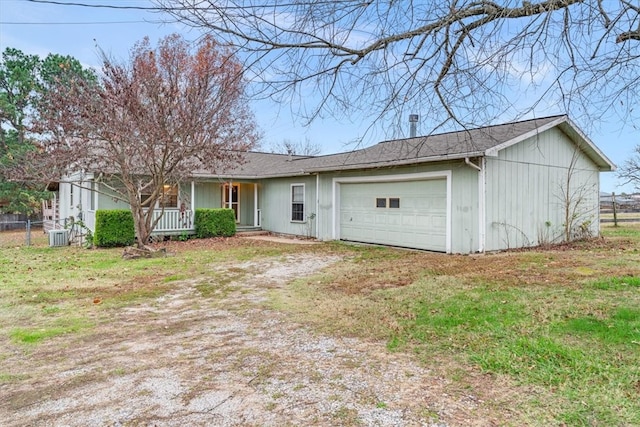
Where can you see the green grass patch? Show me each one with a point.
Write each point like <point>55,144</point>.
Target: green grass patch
<point>621,327</point>
<point>61,327</point>
<point>617,283</point>
<point>6,378</point>
<point>623,230</point>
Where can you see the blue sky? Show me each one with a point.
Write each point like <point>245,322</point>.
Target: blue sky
<point>37,28</point>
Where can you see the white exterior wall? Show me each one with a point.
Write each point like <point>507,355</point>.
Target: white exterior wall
<point>74,197</point>
<point>525,183</point>
<point>275,205</point>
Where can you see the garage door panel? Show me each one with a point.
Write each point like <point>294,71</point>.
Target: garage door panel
<point>420,221</point>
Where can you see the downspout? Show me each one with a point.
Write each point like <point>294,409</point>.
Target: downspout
<point>482,235</point>
<point>482,205</point>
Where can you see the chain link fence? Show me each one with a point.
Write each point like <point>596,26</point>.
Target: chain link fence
<point>22,233</point>
<point>36,233</point>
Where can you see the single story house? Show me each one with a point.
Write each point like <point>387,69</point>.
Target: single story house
<point>485,189</point>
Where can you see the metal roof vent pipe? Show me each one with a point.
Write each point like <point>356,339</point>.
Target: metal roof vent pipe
<point>413,125</point>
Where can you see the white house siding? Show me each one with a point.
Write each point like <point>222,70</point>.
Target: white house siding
<point>464,200</point>
<point>246,199</point>
<point>524,186</point>
<point>276,206</point>
<point>81,201</point>
<point>208,195</point>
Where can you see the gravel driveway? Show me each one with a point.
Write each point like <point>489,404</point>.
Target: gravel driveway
<point>223,359</point>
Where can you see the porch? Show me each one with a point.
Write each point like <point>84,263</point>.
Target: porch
<point>175,222</point>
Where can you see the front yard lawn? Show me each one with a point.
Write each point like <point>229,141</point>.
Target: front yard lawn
<point>562,324</point>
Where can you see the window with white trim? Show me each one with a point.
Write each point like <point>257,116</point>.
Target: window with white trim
<point>168,199</point>
<point>297,202</point>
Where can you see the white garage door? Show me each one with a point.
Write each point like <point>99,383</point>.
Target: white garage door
<point>412,214</point>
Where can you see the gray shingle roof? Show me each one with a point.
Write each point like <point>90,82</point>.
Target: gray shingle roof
<point>450,145</point>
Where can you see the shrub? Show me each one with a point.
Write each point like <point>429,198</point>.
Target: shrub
<point>114,228</point>
<point>215,222</point>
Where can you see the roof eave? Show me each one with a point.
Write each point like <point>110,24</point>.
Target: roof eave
<point>598,157</point>
<point>403,162</point>
<point>493,151</point>
<point>568,127</point>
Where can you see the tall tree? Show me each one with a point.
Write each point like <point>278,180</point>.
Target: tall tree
<point>155,120</point>
<point>24,79</point>
<point>465,62</point>
<point>18,85</point>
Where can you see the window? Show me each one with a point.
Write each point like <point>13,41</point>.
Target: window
<point>297,202</point>
<point>381,202</point>
<point>71,195</point>
<point>394,203</point>
<point>168,199</point>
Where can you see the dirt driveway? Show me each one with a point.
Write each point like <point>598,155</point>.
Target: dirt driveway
<point>221,358</point>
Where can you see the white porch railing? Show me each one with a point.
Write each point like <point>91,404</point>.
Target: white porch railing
<point>173,220</point>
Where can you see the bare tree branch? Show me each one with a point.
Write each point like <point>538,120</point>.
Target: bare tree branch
<point>470,61</point>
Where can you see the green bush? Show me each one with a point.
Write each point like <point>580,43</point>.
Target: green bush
<point>215,222</point>
<point>114,228</point>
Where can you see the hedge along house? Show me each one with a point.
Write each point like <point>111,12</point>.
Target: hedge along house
<point>497,187</point>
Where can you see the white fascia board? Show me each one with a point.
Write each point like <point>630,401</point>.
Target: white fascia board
<point>394,163</point>
<point>493,151</point>
<point>591,145</point>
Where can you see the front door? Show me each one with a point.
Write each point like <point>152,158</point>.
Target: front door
<point>231,199</point>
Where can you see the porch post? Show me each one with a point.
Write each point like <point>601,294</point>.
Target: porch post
<point>230,194</point>
<point>193,203</point>
<point>255,205</point>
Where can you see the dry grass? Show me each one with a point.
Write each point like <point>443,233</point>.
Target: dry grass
<point>563,319</point>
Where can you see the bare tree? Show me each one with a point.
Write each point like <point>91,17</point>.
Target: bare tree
<point>461,61</point>
<point>578,198</point>
<point>629,172</point>
<point>300,148</point>
<point>154,121</point>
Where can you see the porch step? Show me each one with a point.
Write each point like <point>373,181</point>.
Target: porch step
<point>250,231</point>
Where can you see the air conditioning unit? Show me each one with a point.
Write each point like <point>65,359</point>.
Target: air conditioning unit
<point>58,238</point>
